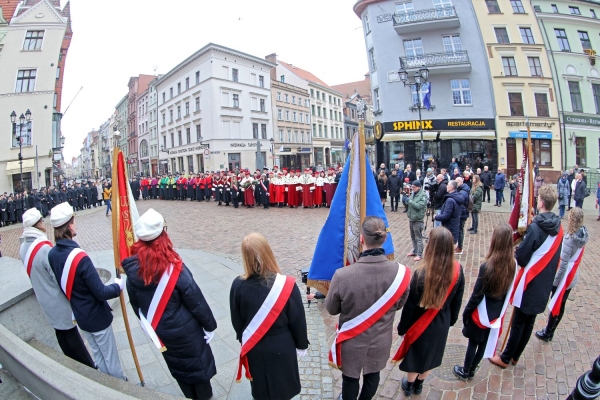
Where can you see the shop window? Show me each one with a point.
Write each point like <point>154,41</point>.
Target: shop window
<point>580,157</point>
<point>542,152</point>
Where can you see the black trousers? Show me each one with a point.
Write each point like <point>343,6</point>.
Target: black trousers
<point>394,200</point>
<point>351,386</point>
<point>475,352</point>
<point>72,345</point>
<point>200,390</point>
<point>554,321</point>
<point>520,332</point>
<point>486,190</point>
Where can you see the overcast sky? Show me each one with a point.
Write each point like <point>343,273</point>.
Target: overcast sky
<point>116,39</point>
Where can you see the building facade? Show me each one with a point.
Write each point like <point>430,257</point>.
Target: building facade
<point>122,127</point>
<point>137,85</point>
<point>457,106</point>
<point>153,127</point>
<point>571,30</point>
<point>215,112</point>
<point>292,147</point>
<point>143,136</point>
<point>34,37</point>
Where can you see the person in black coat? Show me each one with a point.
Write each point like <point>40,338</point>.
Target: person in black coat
<point>264,192</point>
<point>273,361</point>
<point>187,324</point>
<point>427,351</point>
<point>395,184</point>
<point>408,173</point>
<point>382,186</point>
<point>536,294</point>
<point>494,282</point>
<point>3,210</point>
<point>579,193</point>
<point>451,211</point>
<point>486,180</point>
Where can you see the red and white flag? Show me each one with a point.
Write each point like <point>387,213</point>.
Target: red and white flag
<point>522,212</point>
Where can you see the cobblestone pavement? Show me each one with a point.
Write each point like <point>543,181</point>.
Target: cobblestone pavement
<point>546,370</point>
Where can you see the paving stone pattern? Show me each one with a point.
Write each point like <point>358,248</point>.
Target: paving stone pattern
<point>546,370</point>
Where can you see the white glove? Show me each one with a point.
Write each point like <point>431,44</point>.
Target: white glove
<point>286,189</point>
<point>120,282</point>
<point>208,336</point>
<point>301,353</point>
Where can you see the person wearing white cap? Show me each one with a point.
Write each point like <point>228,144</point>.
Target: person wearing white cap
<point>34,254</point>
<point>183,329</point>
<point>80,282</point>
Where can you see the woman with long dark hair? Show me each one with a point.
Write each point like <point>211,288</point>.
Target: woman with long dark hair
<point>156,273</point>
<point>492,289</point>
<point>382,186</point>
<point>268,317</point>
<point>433,305</point>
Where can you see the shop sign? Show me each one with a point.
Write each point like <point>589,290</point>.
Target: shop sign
<point>189,149</point>
<point>577,120</point>
<point>304,150</point>
<point>534,135</point>
<point>285,149</point>
<point>251,144</point>
<point>440,125</point>
<point>533,124</point>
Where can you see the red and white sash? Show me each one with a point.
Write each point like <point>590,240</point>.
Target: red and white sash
<point>263,320</point>
<point>539,259</point>
<point>567,279</point>
<point>481,319</point>
<point>415,331</point>
<point>161,297</point>
<point>32,252</point>
<point>367,318</point>
<point>69,270</point>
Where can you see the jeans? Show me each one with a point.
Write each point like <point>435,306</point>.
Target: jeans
<point>475,216</point>
<point>579,203</point>
<point>350,387</point>
<point>461,233</point>
<point>437,223</point>
<point>416,235</point>
<point>104,349</point>
<point>499,196</point>
<point>520,333</point>
<point>394,200</point>
<point>108,206</point>
<point>475,352</point>
<point>561,211</point>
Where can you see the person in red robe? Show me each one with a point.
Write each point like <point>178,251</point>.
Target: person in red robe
<point>318,192</point>
<point>308,187</point>
<point>248,190</point>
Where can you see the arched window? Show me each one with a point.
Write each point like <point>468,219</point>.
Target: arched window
<point>144,148</point>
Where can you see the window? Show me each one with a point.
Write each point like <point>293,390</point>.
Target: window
<point>324,112</point>
<point>33,40</point>
<point>312,93</point>
<point>377,104</point>
<point>197,77</point>
<point>261,81</point>
<point>301,116</point>
<point>461,92</point>
<point>178,112</point>
<point>236,101</point>
<point>278,96</point>
<point>515,101</point>
<point>262,105</point>
<point>197,103</point>
<point>234,75</point>
<point>593,13</point>
<point>575,96</point>
<point>164,142</point>
<point>320,130</point>
<point>318,111</point>
<point>541,105</point>
<point>405,11</point>
<point>170,116</point>
<point>413,49</point>
<point>255,131</point>
<point>179,88</point>
<point>596,93</point>
<point>187,83</point>
<point>313,109</point>
<point>527,35</point>
<point>580,158</point>
<point>293,99</point>
<point>510,68</point>
<point>25,80</point>
<point>314,130</point>
<point>492,6</point>
<point>23,132</point>
<point>294,116</point>
<point>179,138</point>
<point>263,131</point>
<point>535,68</point>
<point>563,42</point>
<point>187,108</point>
<point>164,97</point>
<point>188,135</point>
<point>198,133</point>
<point>452,44</point>
<point>542,152</point>
<point>172,139</point>
<point>366,22</point>
<point>170,93</point>
<point>164,118</point>
<point>517,6</point>
<point>330,114</point>
<point>318,95</point>
<point>287,115</point>
<point>554,8</point>
<point>286,98</point>
<point>281,135</point>
<point>282,78</point>
<point>417,98</point>
<point>502,35</point>
<point>574,10</point>
<point>585,40</point>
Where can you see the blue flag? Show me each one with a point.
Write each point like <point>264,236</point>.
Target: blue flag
<point>427,98</point>
<point>338,243</point>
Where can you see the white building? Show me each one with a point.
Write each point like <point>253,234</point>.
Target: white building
<point>143,133</point>
<point>214,109</point>
<point>153,127</point>
<point>32,51</point>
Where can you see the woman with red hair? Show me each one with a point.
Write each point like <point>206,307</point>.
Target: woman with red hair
<point>171,307</point>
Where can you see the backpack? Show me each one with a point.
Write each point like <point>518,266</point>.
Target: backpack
<point>471,203</point>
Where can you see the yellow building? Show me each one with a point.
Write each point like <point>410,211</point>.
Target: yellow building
<point>522,84</point>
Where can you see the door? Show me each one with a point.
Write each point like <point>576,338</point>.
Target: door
<point>511,156</point>
<point>405,11</point>
<point>452,44</point>
<point>234,161</point>
<point>413,49</point>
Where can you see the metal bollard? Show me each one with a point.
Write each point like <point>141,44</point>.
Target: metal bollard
<point>588,384</point>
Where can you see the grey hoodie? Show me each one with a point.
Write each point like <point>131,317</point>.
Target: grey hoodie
<point>570,245</point>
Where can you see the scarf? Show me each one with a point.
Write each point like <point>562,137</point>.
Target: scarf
<point>32,232</point>
<point>372,252</point>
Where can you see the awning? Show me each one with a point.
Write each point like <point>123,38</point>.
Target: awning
<point>13,167</point>
<point>394,137</point>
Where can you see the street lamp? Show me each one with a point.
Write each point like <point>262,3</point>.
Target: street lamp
<point>272,150</point>
<point>420,78</point>
<point>23,121</point>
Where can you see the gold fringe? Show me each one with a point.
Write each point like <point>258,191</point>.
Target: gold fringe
<point>74,322</point>
<point>391,257</point>
<point>163,349</point>
<point>332,365</point>
<point>321,286</point>
<point>238,381</point>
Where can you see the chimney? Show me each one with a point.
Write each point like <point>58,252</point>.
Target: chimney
<point>272,58</point>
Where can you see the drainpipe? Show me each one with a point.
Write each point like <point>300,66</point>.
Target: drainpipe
<point>561,124</point>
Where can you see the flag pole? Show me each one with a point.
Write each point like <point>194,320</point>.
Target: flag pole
<point>529,173</point>
<point>361,106</point>
<point>116,212</point>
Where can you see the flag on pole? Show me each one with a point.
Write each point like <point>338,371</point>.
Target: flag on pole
<point>521,214</point>
<point>338,243</point>
<point>426,88</point>
<point>124,210</point>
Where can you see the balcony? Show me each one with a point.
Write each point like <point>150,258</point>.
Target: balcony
<point>438,63</point>
<point>425,20</point>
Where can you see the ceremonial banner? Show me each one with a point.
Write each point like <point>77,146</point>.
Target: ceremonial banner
<point>522,212</point>
<point>338,244</point>
<point>124,210</point>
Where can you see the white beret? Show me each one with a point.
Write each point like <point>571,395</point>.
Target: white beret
<point>61,214</point>
<point>149,226</point>
<point>31,217</point>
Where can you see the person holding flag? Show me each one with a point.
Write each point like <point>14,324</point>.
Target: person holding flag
<point>485,310</point>
<point>566,278</point>
<point>433,306</point>
<point>366,295</point>
<point>34,254</point>
<point>171,307</point>
<point>80,282</point>
<point>538,256</point>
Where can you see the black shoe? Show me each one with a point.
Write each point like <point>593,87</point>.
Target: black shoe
<point>408,387</point>
<point>473,371</point>
<point>544,335</point>
<point>405,210</point>
<point>418,387</point>
<point>319,295</point>
<point>473,232</point>
<point>470,229</point>
<point>460,372</point>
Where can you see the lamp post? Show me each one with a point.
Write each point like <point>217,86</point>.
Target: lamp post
<point>23,121</point>
<point>272,150</point>
<point>420,77</point>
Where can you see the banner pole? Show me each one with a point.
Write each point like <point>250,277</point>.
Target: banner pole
<point>361,106</point>
<point>529,174</point>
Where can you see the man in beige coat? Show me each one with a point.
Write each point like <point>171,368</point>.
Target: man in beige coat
<point>353,290</point>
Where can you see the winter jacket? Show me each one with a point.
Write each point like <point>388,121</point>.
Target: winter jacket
<point>499,181</point>
<point>464,191</point>
<point>564,189</point>
<point>450,213</point>
<point>440,193</point>
<point>186,315</point>
<point>477,199</point>
<point>571,243</point>
<point>395,184</point>
<point>538,289</point>
<point>382,187</point>
<point>486,178</point>
<point>579,193</point>
<point>428,180</point>
<point>537,184</point>
<point>107,193</point>
<point>417,205</point>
